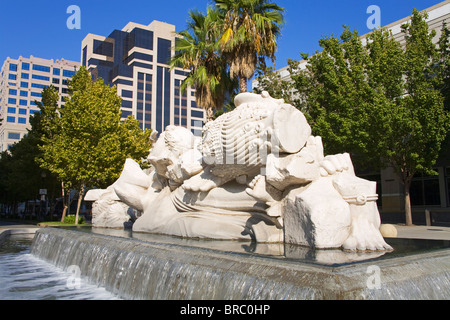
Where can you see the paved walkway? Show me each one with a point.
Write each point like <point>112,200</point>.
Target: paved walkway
<point>423,232</point>
<point>15,225</point>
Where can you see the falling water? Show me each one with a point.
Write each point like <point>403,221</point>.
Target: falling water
<point>26,277</point>
<point>136,269</point>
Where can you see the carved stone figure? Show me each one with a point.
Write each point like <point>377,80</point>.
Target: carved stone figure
<point>108,211</point>
<point>257,174</point>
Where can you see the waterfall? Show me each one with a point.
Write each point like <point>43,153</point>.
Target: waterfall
<point>152,270</point>
<point>134,269</point>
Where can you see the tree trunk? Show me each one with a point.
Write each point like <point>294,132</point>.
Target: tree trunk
<point>64,200</point>
<point>80,198</point>
<point>243,84</point>
<point>408,214</point>
<point>209,115</point>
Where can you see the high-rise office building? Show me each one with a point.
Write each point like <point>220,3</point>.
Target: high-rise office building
<point>21,84</point>
<point>136,60</point>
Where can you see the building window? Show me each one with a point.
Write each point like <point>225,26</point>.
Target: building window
<point>141,38</point>
<point>12,101</point>
<point>12,92</point>
<point>103,48</point>
<point>25,66</point>
<point>197,123</point>
<point>14,135</point>
<point>180,100</point>
<point>447,175</point>
<point>84,60</point>
<point>24,93</point>
<point>23,102</point>
<point>38,67</point>
<point>164,51</point>
<point>424,191</point>
<point>127,104</point>
<point>13,67</point>
<point>39,86</point>
<point>11,119</point>
<point>181,73</point>
<point>12,76</point>
<point>68,73</point>
<point>23,111</point>
<point>25,76</point>
<point>127,94</point>
<point>197,114</point>
<point>36,94</point>
<point>55,81</point>
<point>56,72</point>
<point>11,110</point>
<point>22,120</point>
<point>24,84</point>
<point>38,77</point>
<point>126,113</point>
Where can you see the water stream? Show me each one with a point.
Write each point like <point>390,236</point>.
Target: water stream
<point>23,276</point>
<point>107,264</point>
<point>153,267</point>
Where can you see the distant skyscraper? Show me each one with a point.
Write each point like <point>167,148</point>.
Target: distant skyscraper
<point>136,60</point>
<point>21,84</point>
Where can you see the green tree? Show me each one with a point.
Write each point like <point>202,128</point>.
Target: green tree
<point>251,29</point>
<point>88,144</point>
<point>22,177</point>
<point>443,65</point>
<point>46,124</point>
<point>378,100</point>
<point>443,83</point>
<point>198,48</point>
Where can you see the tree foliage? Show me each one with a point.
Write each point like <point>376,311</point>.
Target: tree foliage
<point>378,100</point>
<point>225,45</point>
<point>198,49</point>
<point>250,35</point>
<point>21,178</point>
<point>84,143</point>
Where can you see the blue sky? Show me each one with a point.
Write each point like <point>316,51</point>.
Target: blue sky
<point>39,28</point>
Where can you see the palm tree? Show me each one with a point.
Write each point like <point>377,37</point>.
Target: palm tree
<point>198,49</point>
<point>251,28</point>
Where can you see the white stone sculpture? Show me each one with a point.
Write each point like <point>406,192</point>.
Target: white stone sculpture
<point>257,174</point>
<point>108,211</point>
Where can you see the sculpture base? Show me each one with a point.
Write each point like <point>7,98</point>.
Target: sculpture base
<point>142,266</point>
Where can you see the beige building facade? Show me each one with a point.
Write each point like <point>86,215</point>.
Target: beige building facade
<point>21,83</point>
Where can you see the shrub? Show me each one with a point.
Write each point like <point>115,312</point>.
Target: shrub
<point>70,219</point>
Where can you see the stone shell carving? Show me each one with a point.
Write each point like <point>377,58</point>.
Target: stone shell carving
<point>242,139</point>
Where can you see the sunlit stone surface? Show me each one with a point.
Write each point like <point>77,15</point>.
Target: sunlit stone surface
<point>256,174</point>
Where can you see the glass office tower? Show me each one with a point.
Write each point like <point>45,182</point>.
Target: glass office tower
<point>136,60</point>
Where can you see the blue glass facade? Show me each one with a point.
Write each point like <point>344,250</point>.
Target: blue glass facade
<point>136,60</point>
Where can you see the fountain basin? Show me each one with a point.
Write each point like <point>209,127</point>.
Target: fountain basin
<point>155,267</point>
